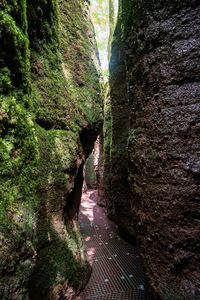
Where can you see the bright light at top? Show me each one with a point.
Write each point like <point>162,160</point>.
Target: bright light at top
<point>100,18</point>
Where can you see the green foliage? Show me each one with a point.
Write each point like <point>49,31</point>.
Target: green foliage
<point>100,18</point>
<point>104,26</point>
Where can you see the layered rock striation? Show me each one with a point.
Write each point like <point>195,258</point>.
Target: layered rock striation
<point>155,83</point>
<point>50,116</point>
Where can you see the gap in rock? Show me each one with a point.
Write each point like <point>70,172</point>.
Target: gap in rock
<point>104,16</point>
<point>93,171</point>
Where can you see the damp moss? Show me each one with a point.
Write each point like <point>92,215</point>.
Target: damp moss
<point>18,155</point>
<point>53,107</point>
<point>5,81</point>
<point>14,44</point>
<point>81,74</point>
<point>58,150</point>
<point>49,92</point>
<point>64,70</point>
<point>58,262</point>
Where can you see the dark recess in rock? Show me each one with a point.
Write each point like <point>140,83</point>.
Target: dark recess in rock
<point>71,209</point>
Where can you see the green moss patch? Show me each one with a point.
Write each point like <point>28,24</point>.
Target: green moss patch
<point>49,94</point>
<point>59,261</point>
<point>58,150</point>
<point>19,158</point>
<point>14,45</point>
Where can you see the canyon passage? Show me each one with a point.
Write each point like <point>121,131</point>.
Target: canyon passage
<point>99,131</point>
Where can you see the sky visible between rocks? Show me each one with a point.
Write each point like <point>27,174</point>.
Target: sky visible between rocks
<point>100,18</point>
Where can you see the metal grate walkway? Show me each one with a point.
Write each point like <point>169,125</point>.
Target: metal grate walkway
<point>117,269</point>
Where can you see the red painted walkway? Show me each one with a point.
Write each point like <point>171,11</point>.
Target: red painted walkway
<point>117,270</point>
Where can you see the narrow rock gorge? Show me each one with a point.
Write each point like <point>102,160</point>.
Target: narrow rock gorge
<point>152,149</point>
<point>50,116</point>
<point>141,135</point>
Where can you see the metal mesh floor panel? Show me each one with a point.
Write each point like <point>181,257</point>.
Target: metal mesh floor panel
<point>123,295</point>
<point>117,269</point>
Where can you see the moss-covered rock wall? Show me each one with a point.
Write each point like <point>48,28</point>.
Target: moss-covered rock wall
<point>158,44</point>
<point>50,115</point>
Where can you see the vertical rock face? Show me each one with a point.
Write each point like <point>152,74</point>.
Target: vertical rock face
<point>50,116</point>
<point>116,135</point>
<point>161,41</point>
<point>100,172</point>
<point>93,168</point>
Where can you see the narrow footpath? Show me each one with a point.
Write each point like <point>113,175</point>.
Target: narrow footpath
<point>117,269</point>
